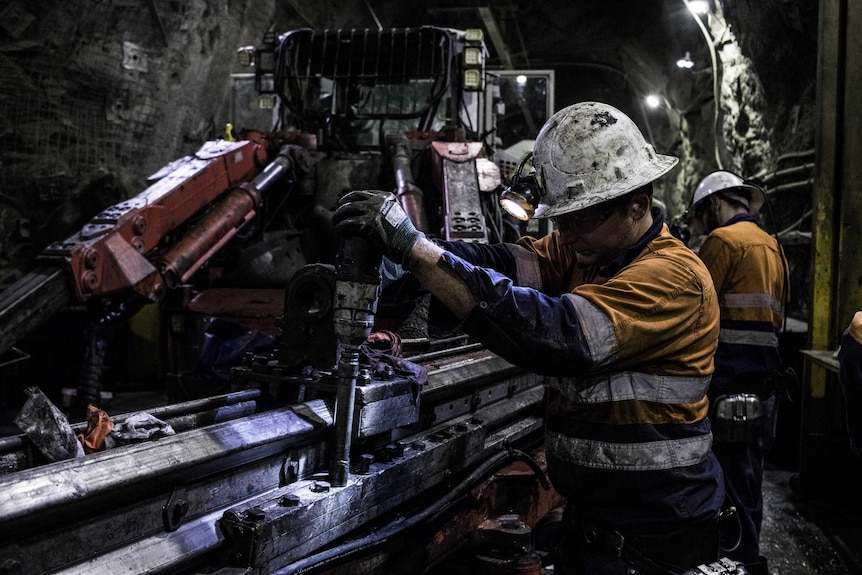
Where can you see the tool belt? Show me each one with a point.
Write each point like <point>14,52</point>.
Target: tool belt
<point>655,552</point>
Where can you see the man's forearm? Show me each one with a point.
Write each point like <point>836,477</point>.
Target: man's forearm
<point>439,279</point>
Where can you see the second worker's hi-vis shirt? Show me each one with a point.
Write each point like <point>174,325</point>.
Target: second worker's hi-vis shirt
<point>748,270</point>
<point>628,355</point>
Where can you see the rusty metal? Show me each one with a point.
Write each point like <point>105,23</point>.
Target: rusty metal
<point>219,225</point>
<point>204,239</point>
<point>109,253</point>
<point>409,194</point>
<point>455,171</point>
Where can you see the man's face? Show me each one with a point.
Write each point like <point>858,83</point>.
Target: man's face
<point>597,234</point>
<point>706,215</point>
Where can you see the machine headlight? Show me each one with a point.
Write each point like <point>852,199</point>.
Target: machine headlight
<point>473,56</point>
<point>472,79</point>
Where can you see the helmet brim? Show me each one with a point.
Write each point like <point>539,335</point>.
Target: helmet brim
<point>648,172</point>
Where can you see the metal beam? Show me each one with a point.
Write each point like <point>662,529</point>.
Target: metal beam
<point>158,507</point>
<point>266,532</point>
<point>849,279</point>
<point>30,301</point>
<point>62,491</point>
<point>496,36</point>
<point>827,175</point>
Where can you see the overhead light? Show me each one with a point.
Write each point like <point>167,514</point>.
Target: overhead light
<point>653,101</point>
<point>685,62</point>
<point>698,6</point>
<point>521,79</point>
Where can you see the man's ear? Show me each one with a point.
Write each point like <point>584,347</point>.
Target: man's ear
<point>639,205</point>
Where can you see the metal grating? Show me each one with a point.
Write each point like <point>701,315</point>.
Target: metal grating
<point>74,121</point>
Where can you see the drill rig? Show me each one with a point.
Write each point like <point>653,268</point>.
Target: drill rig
<point>322,456</point>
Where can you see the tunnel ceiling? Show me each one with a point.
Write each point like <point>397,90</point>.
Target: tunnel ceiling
<point>634,45</point>
<point>617,51</point>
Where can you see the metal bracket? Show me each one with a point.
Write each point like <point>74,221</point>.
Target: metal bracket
<point>174,511</point>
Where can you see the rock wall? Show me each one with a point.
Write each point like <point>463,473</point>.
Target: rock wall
<point>97,95</point>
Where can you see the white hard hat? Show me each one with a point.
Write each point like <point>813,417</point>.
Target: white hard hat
<point>589,153</point>
<point>731,186</point>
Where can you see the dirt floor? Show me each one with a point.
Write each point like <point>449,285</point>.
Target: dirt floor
<point>807,537</point>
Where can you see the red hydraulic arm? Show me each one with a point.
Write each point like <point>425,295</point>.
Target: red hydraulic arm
<point>153,241</point>
<point>113,251</point>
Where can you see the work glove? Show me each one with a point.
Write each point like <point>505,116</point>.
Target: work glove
<point>379,217</point>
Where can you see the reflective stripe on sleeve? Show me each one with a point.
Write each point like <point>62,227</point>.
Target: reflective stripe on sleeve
<point>648,456</point>
<point>597,329</point>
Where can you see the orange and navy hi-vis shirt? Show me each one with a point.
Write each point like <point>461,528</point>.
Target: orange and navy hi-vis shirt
<point>628,355</point>
<point>749,272</point>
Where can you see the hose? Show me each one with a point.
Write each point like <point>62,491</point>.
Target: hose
<point>90,379</point>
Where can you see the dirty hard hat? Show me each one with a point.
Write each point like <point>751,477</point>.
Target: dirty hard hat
<point>730,186</point>
<point>589,153</point>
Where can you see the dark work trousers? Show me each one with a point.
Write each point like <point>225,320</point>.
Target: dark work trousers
<point>743,481</point>
<point>850,380</point>
<point>583,548</point>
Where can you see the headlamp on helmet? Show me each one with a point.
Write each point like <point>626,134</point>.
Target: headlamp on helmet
<point>521,198</point>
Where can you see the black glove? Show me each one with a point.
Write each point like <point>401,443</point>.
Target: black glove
<point>378,216</point>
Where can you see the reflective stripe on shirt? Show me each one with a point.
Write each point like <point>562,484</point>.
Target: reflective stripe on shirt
<point>628,385</point>
<point>746,300</point>
<point>648,456</point>
<point>748,337</point>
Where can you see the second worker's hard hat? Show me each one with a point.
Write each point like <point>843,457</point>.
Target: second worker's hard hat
<point>589,153</point>
<point>730,186</point>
